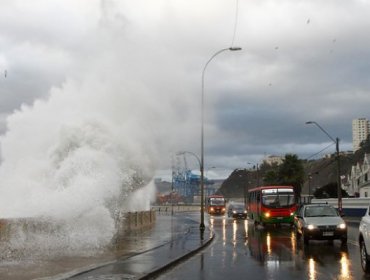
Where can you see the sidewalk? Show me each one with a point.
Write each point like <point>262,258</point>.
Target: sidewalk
<point>173,238</point>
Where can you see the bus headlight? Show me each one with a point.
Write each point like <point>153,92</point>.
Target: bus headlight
<point>267,215</point>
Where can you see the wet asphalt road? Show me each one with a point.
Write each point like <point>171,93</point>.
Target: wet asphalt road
<point>239,250</point>
<point>242,251</point>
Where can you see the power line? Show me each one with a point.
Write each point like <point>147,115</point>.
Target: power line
<point>311,156</point>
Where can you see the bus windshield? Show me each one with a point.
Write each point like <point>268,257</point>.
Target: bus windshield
<point>278,199</point>
<point>216,201</point>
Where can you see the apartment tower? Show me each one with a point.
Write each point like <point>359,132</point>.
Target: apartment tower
<point>360,131</point>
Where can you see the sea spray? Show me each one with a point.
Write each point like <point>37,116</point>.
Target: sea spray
<point>75,174</point>
<point>84,151</point>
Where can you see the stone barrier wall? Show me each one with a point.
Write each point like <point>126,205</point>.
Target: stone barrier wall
<point>131,221</point>
<point>29,227</point>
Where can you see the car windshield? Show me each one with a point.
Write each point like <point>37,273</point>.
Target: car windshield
<point>320,211</point>
<point>238,207</point>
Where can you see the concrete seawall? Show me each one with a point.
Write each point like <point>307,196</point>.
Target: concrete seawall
<point>131,221</point>
<point>29,227</point>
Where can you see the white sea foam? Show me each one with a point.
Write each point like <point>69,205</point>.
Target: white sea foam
<point>92,145</point>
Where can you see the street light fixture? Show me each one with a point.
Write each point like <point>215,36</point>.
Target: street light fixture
<point>202,226</point>
<point>336,141</point>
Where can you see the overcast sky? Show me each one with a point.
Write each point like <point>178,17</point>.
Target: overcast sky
<point>136,66</point>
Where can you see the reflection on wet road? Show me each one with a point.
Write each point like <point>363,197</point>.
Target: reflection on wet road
<point>242,250</point>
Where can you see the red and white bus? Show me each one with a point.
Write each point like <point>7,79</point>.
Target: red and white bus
<point>216,205</point>
<point>272,204</point>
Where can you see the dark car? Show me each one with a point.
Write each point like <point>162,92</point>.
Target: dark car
<point>320,222</point>
<point>237,211</point>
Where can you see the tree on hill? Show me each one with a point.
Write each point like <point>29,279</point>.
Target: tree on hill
<point>291,172</point>
<point>271,177</point>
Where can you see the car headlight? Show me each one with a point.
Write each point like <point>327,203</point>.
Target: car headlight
<point>234,212</point>
<point>267,214</point>
<point>311,227</point>
<point>211,209</point>
<point>341,226</point>
<point>245,211</point>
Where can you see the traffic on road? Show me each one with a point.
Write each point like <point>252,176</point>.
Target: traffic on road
<point>243,249</point>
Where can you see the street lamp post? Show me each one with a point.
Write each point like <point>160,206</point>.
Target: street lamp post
<point>202,226</point>
<point>257,170</point>
<point>309,185</point>
<point>336,141</point>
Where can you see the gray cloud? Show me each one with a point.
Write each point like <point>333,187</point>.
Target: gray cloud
<point>301,60</point>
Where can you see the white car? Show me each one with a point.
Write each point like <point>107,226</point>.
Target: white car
<point>364,241</point>
<point>320,222</point>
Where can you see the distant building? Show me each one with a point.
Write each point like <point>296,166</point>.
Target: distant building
<point>358,182</point>
<point>360,131</point>
<point>270,160</point>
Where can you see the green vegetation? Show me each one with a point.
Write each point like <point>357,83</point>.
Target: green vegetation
<point>289,173</point>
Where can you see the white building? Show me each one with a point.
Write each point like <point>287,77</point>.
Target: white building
<point>270,160</point>
<point>359,179</point>
<point>360,131</point>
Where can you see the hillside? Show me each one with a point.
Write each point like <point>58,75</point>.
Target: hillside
<point>323,171</point>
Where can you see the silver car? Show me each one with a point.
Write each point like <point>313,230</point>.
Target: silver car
<point>320,222</point>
